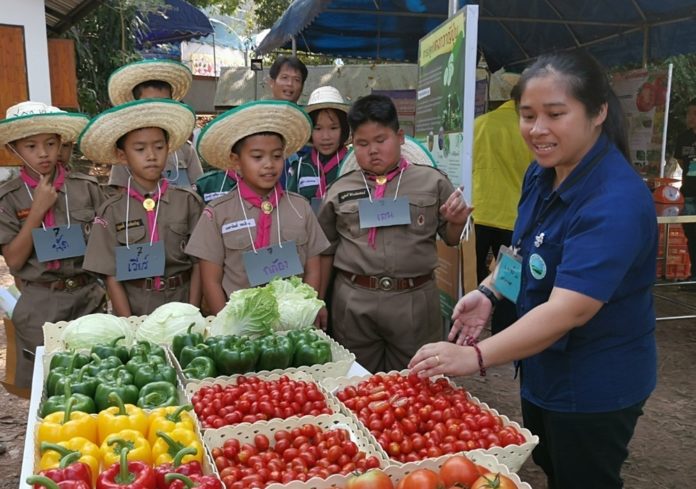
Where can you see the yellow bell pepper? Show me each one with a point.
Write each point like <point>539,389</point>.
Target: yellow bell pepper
<point>169,444</point>
<point>168,419</point>
<point>51,453</point>
<point>64,425</point>
<point>138,444</point>
<point>121,417</point>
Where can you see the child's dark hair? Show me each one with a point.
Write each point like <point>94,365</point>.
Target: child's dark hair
<point>588,83</point>
<point>293,62</point>
<point>121,142</point>
<point>373,108</point>
<point>158,84</point>
<point>342,120</point>
<point>237,147</point>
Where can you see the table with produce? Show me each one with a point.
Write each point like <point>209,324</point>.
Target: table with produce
<point>254,397</point>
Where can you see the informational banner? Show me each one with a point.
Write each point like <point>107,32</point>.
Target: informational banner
<point>405,102</point>
<point>446,95</point>
<point>204,62</point>
<point>644,96</point>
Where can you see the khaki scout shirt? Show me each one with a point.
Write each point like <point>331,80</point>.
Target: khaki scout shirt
<point>186,157</point>
<point>402,251</point>
<point>179,210</point>
<point>220,238</point>
<point>84,197</point>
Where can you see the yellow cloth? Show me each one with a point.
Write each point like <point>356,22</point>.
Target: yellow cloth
<point>501,158</point>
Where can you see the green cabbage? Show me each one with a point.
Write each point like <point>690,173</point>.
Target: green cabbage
<point>249,312</point>
<point>94,329</point>
<point>298,304</point>
<point>169,320</point>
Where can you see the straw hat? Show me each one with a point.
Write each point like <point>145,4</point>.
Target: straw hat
<point>326,98</point>
<point>98,141</point>
<point>285,118</point>
<point>31,118</point>
<point>413,151</point>
<point>126,78</point>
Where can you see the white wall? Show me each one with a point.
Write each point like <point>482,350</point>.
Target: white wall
<point>31,15</point>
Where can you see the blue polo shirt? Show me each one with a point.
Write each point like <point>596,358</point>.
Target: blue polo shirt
<point>599,239</point>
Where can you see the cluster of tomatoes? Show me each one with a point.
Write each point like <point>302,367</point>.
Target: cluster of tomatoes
<point>297,454</point>
<point>414,418</point>
<point>252,399</point>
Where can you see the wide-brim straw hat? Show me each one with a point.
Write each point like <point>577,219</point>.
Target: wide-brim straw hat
<point>98,141</point>
<point>326,98</point>
<point>126,78</point>
<point>278,116</point>
<point>412,150</point>
<point>31,118</point>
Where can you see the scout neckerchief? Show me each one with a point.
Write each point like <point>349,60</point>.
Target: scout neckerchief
<point>151,206</point>
<point>49,219</point>
<point>263,227</point>
<point>325,168</point>
<point>381,182</point>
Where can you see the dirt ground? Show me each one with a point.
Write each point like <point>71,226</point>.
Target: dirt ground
<point>663,450</point>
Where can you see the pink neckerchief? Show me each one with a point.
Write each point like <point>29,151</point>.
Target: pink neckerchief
<point>263,227</point>
<point>151,215</point>
<point>49,219</point>
<point>380,189</point>
<point>324,169</point>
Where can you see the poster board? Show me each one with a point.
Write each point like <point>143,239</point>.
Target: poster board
<point>405,102</point>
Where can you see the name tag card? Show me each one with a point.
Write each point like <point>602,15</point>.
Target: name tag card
<point>384,212</point>
<point>507,276</point>
<point>308,182</point>
<point>271,262</point>
<point>58,242</point>
<point>180,180</point>
<point>139,261</point>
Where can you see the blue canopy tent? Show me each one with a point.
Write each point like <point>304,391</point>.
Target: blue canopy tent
<point>180,21</point>
<point>509,33</point>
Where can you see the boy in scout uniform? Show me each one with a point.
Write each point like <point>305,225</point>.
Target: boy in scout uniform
<point>43,196</point>
<point>253,140</point>
<point>156,78</point>
<point>148,210</point>
<point>385,302</point>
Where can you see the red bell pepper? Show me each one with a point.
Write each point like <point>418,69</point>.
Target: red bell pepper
<point>43,481</point>
<point>190,468</point>
<point>180,481</point>
<point>69,470</point>
<point>127,475</point>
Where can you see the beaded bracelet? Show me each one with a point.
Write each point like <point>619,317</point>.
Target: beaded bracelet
<point>472,343</point>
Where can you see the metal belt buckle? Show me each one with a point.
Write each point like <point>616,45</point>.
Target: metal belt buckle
<point>386,283</point>
<point>172,282</point>
<point>70,283</point>
<point>150,284</point>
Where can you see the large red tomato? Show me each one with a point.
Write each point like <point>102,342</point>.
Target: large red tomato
<point>493,481</point>
<point>645,100</point>
<point>372,479</point>
<point>421,479</point>
<point>459,469</point>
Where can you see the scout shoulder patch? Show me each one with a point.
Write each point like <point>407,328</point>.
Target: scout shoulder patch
<point>23,213</point>
<point>133,223</point>
<point>101,221</point>
<point>360,193</point>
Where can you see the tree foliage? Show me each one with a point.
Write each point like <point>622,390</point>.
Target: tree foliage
<point>683,90</point>
<point>222,7</point>
<point>266,12</point>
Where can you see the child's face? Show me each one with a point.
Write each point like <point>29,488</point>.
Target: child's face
<point>65,153</point>
<point>326,135</point>
<point>154,92</point>
<point>260,162</point>
<point>39,151</point>
<point>145,152</point>
<point>377,147</point>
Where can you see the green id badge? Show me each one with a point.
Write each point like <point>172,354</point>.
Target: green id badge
<point>507,276</point>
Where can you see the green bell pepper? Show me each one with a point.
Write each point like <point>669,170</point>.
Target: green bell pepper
<point>127,392</point>
<point>200,368</point>
<point>112,350</point>
<point>275,351</point>
<point>190,352</point>
<point>188,339</point>
<point>80,382</point>
<point>310,348</point>
<point>67,359</point>
<point>154,372</point>
<point>110,376</point>
<point>141,359</point>
<point>158,394</point>
<point>98,364</point>
<point>236,355</point>
<point>59,403</point>
<point>147,348</point>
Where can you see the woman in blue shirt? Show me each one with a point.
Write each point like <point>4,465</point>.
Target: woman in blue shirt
<point>586,244</point>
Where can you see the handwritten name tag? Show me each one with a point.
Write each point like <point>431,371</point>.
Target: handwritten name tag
<point>234,226</point>
<point>384,212</point>
<point>58,242</point>
<point>207,197</point>
<point>271,262</point>
<point>308,182</point>
<point>139,261</point>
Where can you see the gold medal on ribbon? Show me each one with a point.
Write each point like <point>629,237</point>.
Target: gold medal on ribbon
<point>266,207</point>
<point>381,180</point>
<point>148,204</point>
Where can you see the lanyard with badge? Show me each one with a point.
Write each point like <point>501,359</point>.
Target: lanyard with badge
<point>381,212</point>
<point>264,264</point>
<point>507,276</point>
<point>177,177</point>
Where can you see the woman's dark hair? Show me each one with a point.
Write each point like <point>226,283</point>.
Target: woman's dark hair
<point>158,84</point>
<point>237,147</point>
<point>588,83</point>
<point>121,142</point>
<point>373,108</point>
<point>342,120</point>
<point>293,62</point>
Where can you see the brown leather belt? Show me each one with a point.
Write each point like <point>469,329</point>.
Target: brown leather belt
<point>69,283</point>
<point>166,283</point>
<point>387,283</point>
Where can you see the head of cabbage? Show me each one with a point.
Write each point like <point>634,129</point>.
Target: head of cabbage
<point>169,320</point>
<point>94,329</point>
